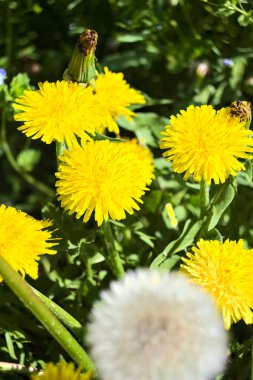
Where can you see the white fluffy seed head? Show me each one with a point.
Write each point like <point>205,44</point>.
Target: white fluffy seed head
<point>156,326</point>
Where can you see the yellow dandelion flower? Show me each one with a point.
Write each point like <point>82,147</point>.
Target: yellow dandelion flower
<point>58,111</point>
<point>61,371</point>
<point>114,95</point>
<point>103,176</point>
<point>23,239</point>
<point>206,144</point>
<point>226,271</point>
<point>144,156</point>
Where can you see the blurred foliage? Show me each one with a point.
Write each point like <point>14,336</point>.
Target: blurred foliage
<point>179,53</point>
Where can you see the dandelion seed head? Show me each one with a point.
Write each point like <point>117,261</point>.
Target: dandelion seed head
<point>154,325</point>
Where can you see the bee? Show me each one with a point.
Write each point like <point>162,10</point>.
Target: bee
<point>241,109</point>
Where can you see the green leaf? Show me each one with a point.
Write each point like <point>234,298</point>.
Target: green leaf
<point>170,262</point>
<point>222,199</point>
<point>28,158</point>
<point>99,137</point>
<point>237,71</point>
<point>204,95</point>
<point>147,126</point>
<point>18,84</point>
<point>152,102</point>
<point>217,98</point>
<point>130,38</point>
<point>125,60</point>
<point>153,200</point>
<point>37,8</point>
<point>248,171</point>
<point>246,19</point>
<point>146,238</point>
<point>10,346</point>
<point>186,238</point>
<point>4,94</point>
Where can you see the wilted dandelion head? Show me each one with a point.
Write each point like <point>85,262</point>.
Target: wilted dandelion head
<point>58,111</point>
<point>61,371</point>
<point>23,239</point>
<point>226,271</point>
<point>103,176</point>
<point>114,95</point>
<point>206,144</point>
<point>156,326</point>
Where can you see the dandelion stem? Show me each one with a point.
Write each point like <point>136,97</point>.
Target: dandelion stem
<point>204,198</point>
<point>87,261</point>
<point>67,319</point>
<point>114,257</point>
<point>60,148</point>
<point>27,177</point>
<point>44,315</point>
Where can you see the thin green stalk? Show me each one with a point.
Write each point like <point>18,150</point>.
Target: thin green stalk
<point>113,254</point>
<point>70,322</point>
<point>87,262</point>
<point>44,315</point>
<point>89,271</point>
<point>204,198</point>
<point>26,176</point>
<point>60,148</point>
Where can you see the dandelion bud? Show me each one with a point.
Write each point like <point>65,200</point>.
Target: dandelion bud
<point>82,64</point>
<point>249,81</point>
<point>202,69</point>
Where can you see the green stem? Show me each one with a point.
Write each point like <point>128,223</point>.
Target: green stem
<point>113,254</point>
<point>204,198</point>
<point>44,315</point>
<point>60,148</point>
<point>27,177</point>
<point>87,262</point>
<point>89,272</point>
<point>70,322</point>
